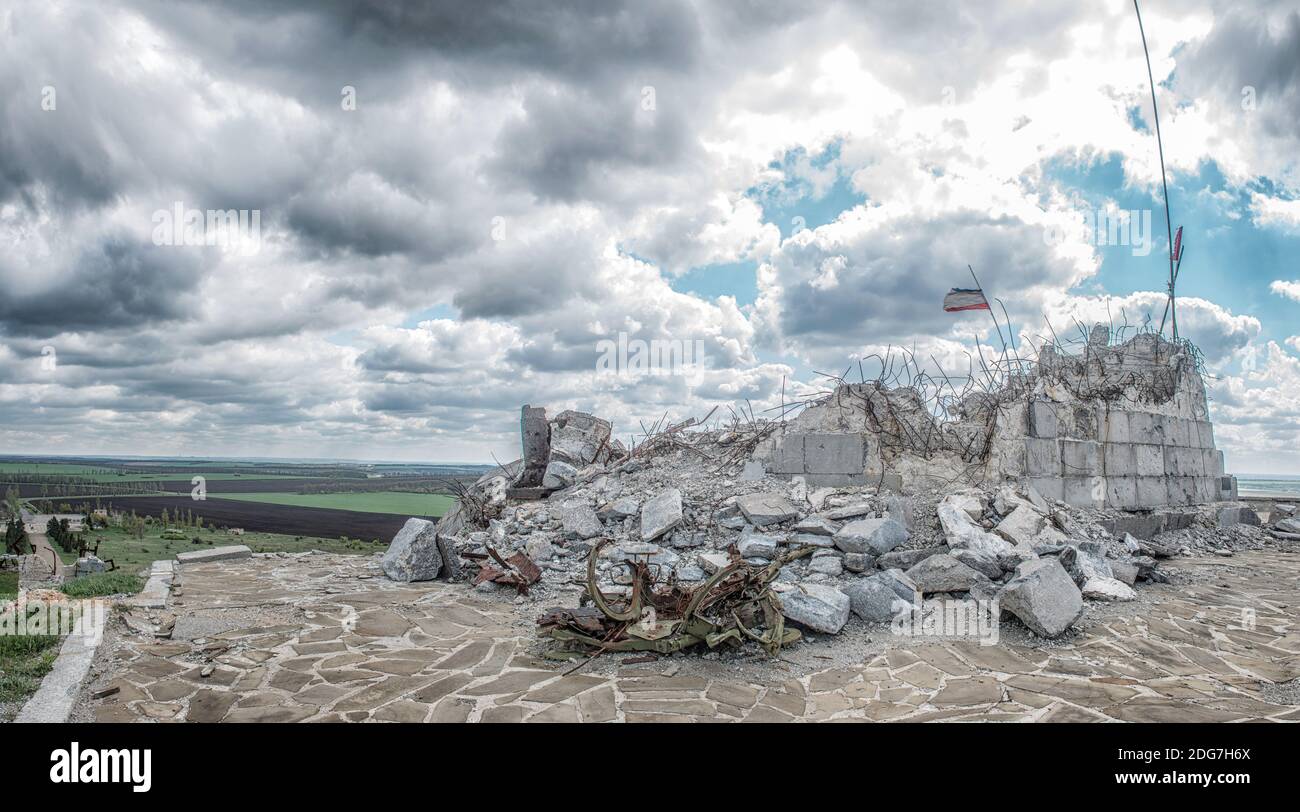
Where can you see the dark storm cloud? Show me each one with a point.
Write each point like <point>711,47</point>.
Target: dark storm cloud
<point>115,283</point>
<point>1244,50</point>
<point>889,280</point>
<point>489,39</point>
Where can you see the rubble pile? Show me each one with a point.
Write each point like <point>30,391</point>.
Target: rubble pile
<point>682,541</point>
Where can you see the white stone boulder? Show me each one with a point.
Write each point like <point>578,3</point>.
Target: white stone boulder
<point>414,554</point>
<point>1043,597</point>
<point>818,606</point>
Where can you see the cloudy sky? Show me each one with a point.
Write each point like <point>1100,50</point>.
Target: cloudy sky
<point>458,202</point>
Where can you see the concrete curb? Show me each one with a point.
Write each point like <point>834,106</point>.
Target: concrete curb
<point>157,588</point>
<point>54,700</point>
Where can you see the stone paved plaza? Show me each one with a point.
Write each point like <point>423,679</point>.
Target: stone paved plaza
<point>325,638</point>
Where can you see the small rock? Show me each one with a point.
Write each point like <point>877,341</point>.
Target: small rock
<point>858,562</point>
<point>982,563</point>
<point>580,522</point>
<point>756,545</point>
<point>816,525</point>
<point>827,563</point>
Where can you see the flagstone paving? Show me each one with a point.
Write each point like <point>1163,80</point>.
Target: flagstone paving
<point>324,638</point>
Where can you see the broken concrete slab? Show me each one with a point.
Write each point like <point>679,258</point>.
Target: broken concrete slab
<point>943,573</point>
<point>875,536</point>
<point>234,552</point>
<point>1107,589</point>
<point>762,509</point>
<point>816,525</point>
<point>661,513</point>
<point>982,562</point>
<point>818,606</point>
<point>1021,526</point>
<point>1043,596</point>
<point>962,533</point>
<point>579,521</point>
<point>880,597</point>
<point>559,475</point>
<point>756,545</point>
<point>1086,561</point>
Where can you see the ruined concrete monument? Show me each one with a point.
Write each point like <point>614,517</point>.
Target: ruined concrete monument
<point>1123,426</point>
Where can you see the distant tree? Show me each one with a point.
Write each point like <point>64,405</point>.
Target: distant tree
<point>16,542</point>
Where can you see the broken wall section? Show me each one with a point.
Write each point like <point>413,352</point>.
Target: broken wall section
<point>1122,426</point>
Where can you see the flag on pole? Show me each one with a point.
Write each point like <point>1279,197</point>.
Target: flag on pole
<point>964,299</point>
<point>1178,244</point>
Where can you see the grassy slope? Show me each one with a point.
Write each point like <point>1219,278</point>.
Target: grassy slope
<point>410,504</point>
<point>132,555</point>
<point>24,661</point>
<point>8,586</point>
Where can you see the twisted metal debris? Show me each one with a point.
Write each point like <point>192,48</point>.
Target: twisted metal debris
<point>660,615</point>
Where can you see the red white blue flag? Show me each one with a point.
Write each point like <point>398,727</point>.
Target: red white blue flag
<point>965,299</point>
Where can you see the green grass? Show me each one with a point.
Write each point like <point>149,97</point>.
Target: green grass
<point>118,582</point>
<point>8,586</point>
<point>401,502</point>
<point>24,662</point>
<point>133,555</point>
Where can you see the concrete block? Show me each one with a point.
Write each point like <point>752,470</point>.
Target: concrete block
<point>1173,461</point>
<point>1176,519</point>
<point>1085,491</point>
<point>1009,459</point>
<point>1043,421</point>
<point>1227,489</point>
<point>1180,432</point>
<point>1080,422</point>
<point>1080,458</point>
<point>1049,487</point>
<point>1141,428</point>
<point>840,480</point>
<point>1205,489</point>
<point>1150,459</point>
<point>1119,459</point>
<point>787,458</point>
<point>232,553</point>
<point>1042,458</point>
<point>1115,427</point>
<point>833,453</point>
<point>1181,490</point>
<point>1205,430</point>
<point>1121,491</point>
<point>1151,491</point>
<point>1216,464</point>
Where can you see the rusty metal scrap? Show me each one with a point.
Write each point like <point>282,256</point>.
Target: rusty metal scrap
<point>518,571</point>
<point>660,615</point>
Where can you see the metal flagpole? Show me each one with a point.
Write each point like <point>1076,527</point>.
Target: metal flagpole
<point>996,326</point>
<point>1169,223</point>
